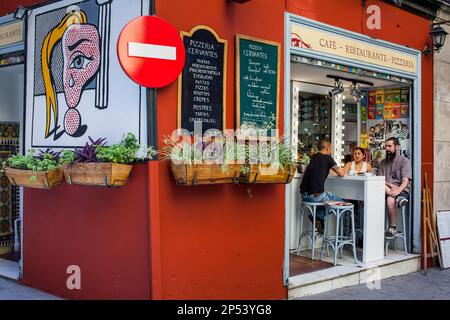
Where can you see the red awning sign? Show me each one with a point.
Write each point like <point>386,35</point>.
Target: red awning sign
<point>151,51</point>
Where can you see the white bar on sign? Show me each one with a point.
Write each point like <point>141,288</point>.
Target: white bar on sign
<point>145,50</point>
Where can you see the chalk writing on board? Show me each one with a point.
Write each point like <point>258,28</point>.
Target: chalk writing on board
<point>201,86</point>
<point>257,83</point>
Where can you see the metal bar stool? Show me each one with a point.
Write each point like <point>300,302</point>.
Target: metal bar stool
<point>400,233</point>
<point>339,240</point>
<point>308,208</point>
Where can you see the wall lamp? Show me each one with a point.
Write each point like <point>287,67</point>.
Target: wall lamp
<point>22,13</point>
<point>438,35</point>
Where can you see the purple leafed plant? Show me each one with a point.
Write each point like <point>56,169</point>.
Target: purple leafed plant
<point>88,153</point>
<point>55,154</point>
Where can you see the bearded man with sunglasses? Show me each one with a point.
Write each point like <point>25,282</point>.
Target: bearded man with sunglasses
<point>398,175</point>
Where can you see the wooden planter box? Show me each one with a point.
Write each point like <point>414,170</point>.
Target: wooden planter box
<point>200,174</point>
<point>43,179</point>
<point>257,175</point>
<point>105,174</point>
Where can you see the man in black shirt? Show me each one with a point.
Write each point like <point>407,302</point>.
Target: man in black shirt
<point>312,188</point>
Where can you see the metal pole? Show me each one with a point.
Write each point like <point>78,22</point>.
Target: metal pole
<point>152,128</point>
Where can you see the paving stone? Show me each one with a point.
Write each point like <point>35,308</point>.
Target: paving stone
<point>11,290</point>
<point>414,286</point>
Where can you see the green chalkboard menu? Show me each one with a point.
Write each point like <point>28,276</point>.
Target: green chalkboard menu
<point>257,82</point>
<point>201,86</point>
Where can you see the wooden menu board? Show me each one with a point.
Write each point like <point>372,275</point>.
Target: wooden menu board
<point>201,85</point>
<point>257,82</point>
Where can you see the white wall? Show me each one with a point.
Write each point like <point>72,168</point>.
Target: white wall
<point>11,94</point>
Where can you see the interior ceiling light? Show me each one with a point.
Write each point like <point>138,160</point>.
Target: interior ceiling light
<point>356,93</point>
<point>338,88</point>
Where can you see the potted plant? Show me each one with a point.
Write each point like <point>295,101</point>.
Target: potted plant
<point>96,164</point>
<point>303,163</point>
<point>199,163</point>
<point>281,170</point>
<point>42,171</point>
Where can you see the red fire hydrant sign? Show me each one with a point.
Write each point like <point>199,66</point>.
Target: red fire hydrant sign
<point>151,51</point>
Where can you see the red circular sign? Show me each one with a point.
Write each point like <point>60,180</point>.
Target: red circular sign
<point>151,51</point>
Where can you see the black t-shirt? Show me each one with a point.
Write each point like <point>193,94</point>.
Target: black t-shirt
<point>316,173</point>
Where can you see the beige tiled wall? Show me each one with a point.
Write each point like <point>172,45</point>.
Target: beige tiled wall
<point>442,125</point>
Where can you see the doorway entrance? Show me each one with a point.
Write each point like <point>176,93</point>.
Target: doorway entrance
<point>312,72</point>
<point>352,109</point>
<point>11,124</point>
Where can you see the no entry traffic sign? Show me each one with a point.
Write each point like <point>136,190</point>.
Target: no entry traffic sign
<point>151,51</point>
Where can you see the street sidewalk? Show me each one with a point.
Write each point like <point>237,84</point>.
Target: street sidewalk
<point>414,286</point>
<point>11,290</point>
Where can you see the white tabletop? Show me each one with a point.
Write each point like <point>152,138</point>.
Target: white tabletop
<point>357,178</point>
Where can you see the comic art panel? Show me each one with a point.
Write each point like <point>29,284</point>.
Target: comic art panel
<point>76,85</point>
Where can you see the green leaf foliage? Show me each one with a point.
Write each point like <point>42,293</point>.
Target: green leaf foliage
<point>44,161</point>
<point>128,151</point>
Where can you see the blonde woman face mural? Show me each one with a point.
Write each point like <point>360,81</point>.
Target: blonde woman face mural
<point>76,87</point>
<point>81,60</point>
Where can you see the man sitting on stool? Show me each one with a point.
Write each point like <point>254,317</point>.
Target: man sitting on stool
<point>397,171</point>
<point>312,188</point>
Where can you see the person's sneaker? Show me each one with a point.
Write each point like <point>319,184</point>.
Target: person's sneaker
<point>391,232</point>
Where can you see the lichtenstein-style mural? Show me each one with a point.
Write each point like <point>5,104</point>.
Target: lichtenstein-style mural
<point>81,60</point>
<point>75,85</point>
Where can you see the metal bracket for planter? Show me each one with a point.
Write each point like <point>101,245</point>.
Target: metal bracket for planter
<point>45,185</point>
<point>194,179</point>
<point>14,182</point>
<point>235,178</point>
<point>288,176</point>
<point>256,177</point>
<point>112,184</point>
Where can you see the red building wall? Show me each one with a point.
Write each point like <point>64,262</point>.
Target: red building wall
<point>230,243</point>
<point>104,231</point>
<point>9,6</point>
<point>215,242</point>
